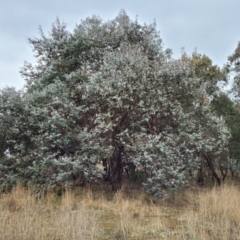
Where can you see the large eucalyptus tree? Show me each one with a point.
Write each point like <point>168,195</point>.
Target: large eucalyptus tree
<point>107,89</point>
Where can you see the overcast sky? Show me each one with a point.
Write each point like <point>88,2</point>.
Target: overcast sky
<point>211,26</point>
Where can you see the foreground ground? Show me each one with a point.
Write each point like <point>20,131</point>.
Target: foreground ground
<point>193,214</point>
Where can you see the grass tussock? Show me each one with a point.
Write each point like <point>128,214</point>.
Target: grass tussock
<point>212,214</point>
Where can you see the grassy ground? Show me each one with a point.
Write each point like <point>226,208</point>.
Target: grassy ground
<point>193,214</point>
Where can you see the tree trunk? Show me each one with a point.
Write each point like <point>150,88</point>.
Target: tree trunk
<point>200,175</point>
<point>116,167</point>
<point>212,169</point>
<point>224,172</point>
<point>232,173</point>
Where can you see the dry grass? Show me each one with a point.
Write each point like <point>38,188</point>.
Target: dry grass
<point>210,214</point>
<point>217,215</point>
<point>22,216</point>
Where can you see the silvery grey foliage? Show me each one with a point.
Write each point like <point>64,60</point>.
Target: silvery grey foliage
<point>233,66</point>
<point>106,87</point>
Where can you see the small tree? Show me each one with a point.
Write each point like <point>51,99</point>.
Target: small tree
<point>210,75</point>
<point>226,108</point>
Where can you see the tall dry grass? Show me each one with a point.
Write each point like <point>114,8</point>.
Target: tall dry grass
<point>212,214</point>
<point>24,217</point>
<point>217,215</point>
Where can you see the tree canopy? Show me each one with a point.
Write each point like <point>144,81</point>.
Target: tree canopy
<point>233,66</point>
<point>106,91</point>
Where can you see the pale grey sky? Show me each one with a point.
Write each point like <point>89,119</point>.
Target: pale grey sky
<point>211,26</point>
